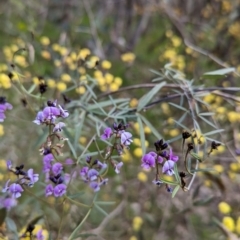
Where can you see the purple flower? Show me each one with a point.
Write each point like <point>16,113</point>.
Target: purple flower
<point>172,156</point>
<point>126,138</point>
<point>39,118</point>
<point>103,182</point>
<point>16,190</point>
<point>8,202</point>
<point>47,159</point>
<point>92,174</point>
<point>51,113</point>
<point>60,190</point>
<point>32,176</point>
<point>148,160</point>
<point>58,127</point>
<point>69,161</point>
<point>9,164</point>
<point>4,105</point>
<point>168,167</point>
<point>95,186</point>
<point>63,113</point>
<point>157,182</point>
<point>49,190</point>
<point>6,188</point>
<point>118,167</point>
<point>101,165</point>
<point>2,116</point>
<point>106,133</point>
<point>39,235</point>
<point>83,173</point>
<point>57,168</point>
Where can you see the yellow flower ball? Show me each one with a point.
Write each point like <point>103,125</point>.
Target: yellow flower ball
<point>235,167</point>
<point>82,70</point>
<point>218,168</point>
<point>209,98</point>
<point>138,152</point>
<point>221,110</point>
<point>133,238</point>
<point>106,64</point>
<point>63,51</point>
<point>81,90</point>
<point>5,81</point>
<point>128,57</point>
<point>84,53</point>
<point>169,33</point>
<point>126,157</point>
<point>73,55</point>
<point>147,130</point>
<point>137,223</point>
<point>1,130</point>
<point>118,81</point>
<point>45,54</point>
<point>65,77</point>
<point>109,78</point>
<point>229,223</point>
<point>238,225</point>
<point>174,132</point>
<point>103,88</point>
<point>113,87</point>
<point>233,116</point>
<point>176,41</point>
<point>224,208</point>
<point>142,177</point>
<point>56,47</point>
<point>165,108</point>
<point>20,60</point>
<point>51,83</point>
<point>136,126</point>
<point>97,74</point>
<point>3,67</point>
<point>61,86</point>
<point>83,140</point>
<point>44,41</point>
<point>133,103</point>
<point>57,63</point>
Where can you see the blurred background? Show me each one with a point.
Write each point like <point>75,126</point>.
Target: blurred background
<point>118,41</point>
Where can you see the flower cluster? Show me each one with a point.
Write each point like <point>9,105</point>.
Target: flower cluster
<point>15,189</point>
<point>161,157</point>
<point>4,105</point>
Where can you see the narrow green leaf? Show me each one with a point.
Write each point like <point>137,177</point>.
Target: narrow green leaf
<point>196,156</point>
<point>3,214</point>
<point>67,133</point>
<point>142,134</point>
<point>78,129</point>
<point>11,225</point>
<point>176,173</point>
<point>105,203</point>
<point>76,195</point>
<point>175,191</point>
<point>145,99</point>
<point>100,209</point>
<point>168,182</point>
<point>182,126</point>
<point>213,132</point>
<point>155,72</point>
<point>222,71</point>
<point>206,114</point>
<point>179,107</point>
<point>204,170</point>
<point>153,129</point>
<point>207,121</point>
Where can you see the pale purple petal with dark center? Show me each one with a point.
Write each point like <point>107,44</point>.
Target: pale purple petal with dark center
<point>8,202</point>
<point>126,138</point>
<point>83,173</point>
<point>39,118</point>
<point>6,188</point>
<point>92,174</point>
<point>168,167</point>
<point>107,133</point>
<point>58,127</point>
<point>101,165</point>
<point>95,186</point>
<point>60,190</point>
<point>9,164</point>
<point>63,113</point>
<point>51,113</point>
<point>172,156</point>
<point>148,161</point>
<point>157,182</point>
<point>33,176</point>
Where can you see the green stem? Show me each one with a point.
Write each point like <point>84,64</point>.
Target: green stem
<point>78,203</point>
<point>80,224</point>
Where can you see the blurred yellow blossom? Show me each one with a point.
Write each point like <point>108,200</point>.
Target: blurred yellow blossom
<point>106,64</point>
<point>51,83</point>
<point>234,29</point>
<point>109,78</point>
<point>20,60</point>
<point>133,238</point>
<point>63,51</point>
<point>238,225</point>
<point>224,208</point>
<point>57,62</point>
<point>165,108</point>
<point>83,140</point>
<point>65,77</point>
<point>82,70</point>
<point>44,41</point>
<point>233,116</point>
<point>218,168</point>
<point>118,81</point>
<point>56,47</point>
<point>84,53</point>
<point>126,157</point>
<point>147,130</point>
<point>45,54</point>
<point>136,126</point>
<point>169,54</point>
<point>169,33</point>
<point>128,57</point>
<point>1,130</point>
<point>209,98</point>
<point>138,152</point>
<point>73,56</point>
<point>232,175</point>
<point>189,50</point>
<point>226,6</point>
<point>221,110</point>
<point>176,41</point>
<point>61,86</point>
<point>97,74</point>
<point>5,81</point>
<point>235,167</point>
<point>3,67</point>
<point>137,142</point>
<point>113,87</point>
<point>81,90</point>
<point>142,177</point>
<point>35,80</point>
<point>207,183</point>
<point>137,223</point>
<point>133,102</point>
<point>3,164</point>
<point>229,223</point>
<point>174,132</point>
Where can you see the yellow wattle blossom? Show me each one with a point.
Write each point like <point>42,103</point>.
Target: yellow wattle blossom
<point>176,41</point>
<point>35,80</point>
<point>169,33</point>
<point>207,183</point>
<point>3,165</point>
<point>133,238</point>
<point>109,78</point>
<point>137,142</point>
<point>5,81</point>
<point>73,56</point>
<point>128,57</point>
<point>224,208</point>
<point>126,157</point>
<point>63,51</point>
<point>221,110</point>
<point>65,77</point>
<point>56,47</point>
<point>219,150</point>
<point>20,60</point>
<point>137,223</point>
<point>68,60</point>
<point>169,54</point>
<point>51,83</point>
<point>188,50</point>
<point>82,140</point>
<point>218,168</point>
<point>147,130</point>
<point>235,167</point>
<point>142,177</point>
<point>45,54</point>
<point>133,103</point>
<point>113,87</point>
<point>61,86</point>
<point>106,64</point>
<point>83,78</point>
<point>1,130</point>
<point>44,41</point>
<point>136,126</point>
<point>232,175</point>
<point>84,53</point>
<point>3,67</point>
<point>57,63</point>
<point>170,121</point>
<point>209,98</point>
<point>237,229</point>
<point>233,116</point>
<point>226,6</point>
<point>165,108</point>
<point>97,74</point>
<point>174,132</point>
<point>82,70</point>
<point>81,90</point>
<point>118,81</point>
<point>138,152</point>
<point>103,88</point>
<point>234,30</point>
<point>229,223</point>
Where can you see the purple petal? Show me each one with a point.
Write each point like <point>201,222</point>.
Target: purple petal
<point>60,190</point>
<point>49,190</point>
<point>168,167</point>
<point>126,138</point>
